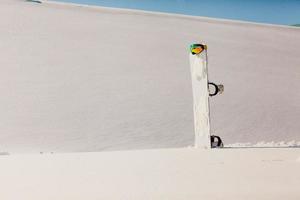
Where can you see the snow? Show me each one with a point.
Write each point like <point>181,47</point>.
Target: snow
<point>226,174</point>
<point>292,143</point>
<point>78,78</point>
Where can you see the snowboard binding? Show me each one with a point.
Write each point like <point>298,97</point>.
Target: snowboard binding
<point>197,48</point>
<point>216,141</point>
<point>218,89</point>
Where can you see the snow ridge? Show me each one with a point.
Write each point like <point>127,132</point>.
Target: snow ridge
<point>263,144</point>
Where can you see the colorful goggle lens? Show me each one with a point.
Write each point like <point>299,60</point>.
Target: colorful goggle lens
<point>197,48</point>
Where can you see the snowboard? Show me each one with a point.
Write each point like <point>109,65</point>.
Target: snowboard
<point>199,74</point>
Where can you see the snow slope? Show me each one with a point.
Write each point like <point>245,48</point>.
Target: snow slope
<point>76,78</point>
<point>260,174</point>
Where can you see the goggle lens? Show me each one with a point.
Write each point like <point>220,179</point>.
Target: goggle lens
<point>197,48</point>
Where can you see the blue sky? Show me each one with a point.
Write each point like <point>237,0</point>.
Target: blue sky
<point>284,12</point>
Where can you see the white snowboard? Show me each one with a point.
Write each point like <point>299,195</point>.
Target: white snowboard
<point>199,73</point>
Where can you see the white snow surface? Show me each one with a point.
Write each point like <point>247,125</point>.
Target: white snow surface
<point>177,174</point>
<point>292,143</point>
<point>77,78</point>
<point>84,78</point>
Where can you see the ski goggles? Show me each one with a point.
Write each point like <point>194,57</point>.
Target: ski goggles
<point>197,48</point>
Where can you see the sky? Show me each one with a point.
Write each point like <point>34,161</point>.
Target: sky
<point>284,12</point>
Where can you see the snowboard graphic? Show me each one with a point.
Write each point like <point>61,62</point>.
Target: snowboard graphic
<point>199,72</point>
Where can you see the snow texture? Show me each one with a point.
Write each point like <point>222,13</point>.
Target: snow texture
<point>227,174</point>
<point>79,78</point>
<point>266,144</point>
